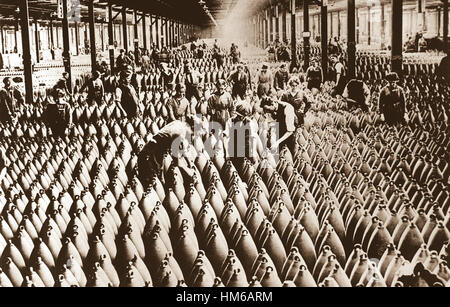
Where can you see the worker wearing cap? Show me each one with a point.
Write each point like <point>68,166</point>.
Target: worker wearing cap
<point>246,143</point>
<point>240,81</point>
<point>392,102</point>
<point>281,78</point>
<point>58,114</point>
<point>221,109</point>
<point>128,98</point>
<point>220,105</point>
<point>297,99</point>
<point>173,139</point>
<point>284,115</point>
<point>10,100</point>
<point>265,81</point>
<point>179,106</point>
<point>62,84</point>
<point>122,60</point>
<point>95,89</point>
<point>193,80</point>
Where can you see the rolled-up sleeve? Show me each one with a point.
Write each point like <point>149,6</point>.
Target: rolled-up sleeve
<point>289,114</point>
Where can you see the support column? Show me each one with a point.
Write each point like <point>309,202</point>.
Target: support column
<point>158,31</point>
<point>383,27</point>
<point>266,30</point>
<point>166,33</point>
<point>144,30</point>
<point>284,24</point>
<point>66,45</point>
<point>136,36</point>
<point>324,36</point>
<point>277,23</point>
<point>77,38</point>
<point>92,35</point>
<point>27,68</point>
<point>125,29</point>
<point>351,45</point>
<point>16,29</point>
<point>368,26</point>
<point>445,31</point>
<point>294,60</point>
<point>306,37</point>
<point>397,36</point>
<point>36,39</point>
<point>111,38</point>
<point>2,38</point>
<point>52,40</point>
<point>271,34</point>
<point>151,29</point>
<point>357,26</point>
<point>339,24</point>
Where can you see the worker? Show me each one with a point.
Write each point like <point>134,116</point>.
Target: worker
<point>59,114</point>
<point>392,102</point>
<point>265,81</point>
<point>240,81</point>
<point>129,101</point>
<point>173,139</point>
<point>284,115</point>
<point>10,100</point>
<point>192,81</point>
<point>281,78</point>
<point>357,95</point>
<point>179,106</point>
<point>297,99</point>
<point>95,89</point>
<point>314,77</point>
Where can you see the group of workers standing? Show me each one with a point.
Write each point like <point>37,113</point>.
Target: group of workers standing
<point>240,99</point>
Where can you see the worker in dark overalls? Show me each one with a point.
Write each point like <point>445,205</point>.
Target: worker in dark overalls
<point>10,100</point>
<point>59,114</point>
<point>392,102</point>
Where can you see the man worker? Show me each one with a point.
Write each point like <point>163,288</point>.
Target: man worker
<point>10,100</point>
<point>392,102</point>
<point>95,89</point>
<point>192,81</point>
<point>240,81</point>
<point>129,101</point>
<point>357,94</point>
<point>62,84</point>
<point>281,78</point>
<point>59,114</point>
<point>173,139</point>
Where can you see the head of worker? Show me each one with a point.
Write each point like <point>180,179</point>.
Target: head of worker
<point>7,82</point>
<point>180,90</point>
<point>283,68</point>
<point>122,51</point>
<point>96,74</point>
<point>392,78</point>
<point>315,63</point>
<point>293,84</point>
<point>126,75</point>
<point>265,67</point>
<point>65,75</point>
<point>221,86</point>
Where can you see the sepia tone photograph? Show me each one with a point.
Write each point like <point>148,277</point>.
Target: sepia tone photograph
<point>240,144</point>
